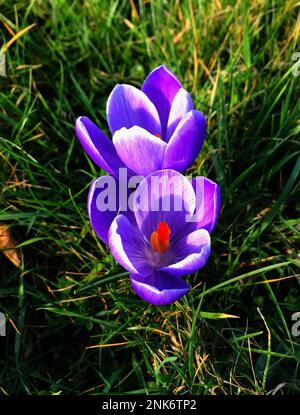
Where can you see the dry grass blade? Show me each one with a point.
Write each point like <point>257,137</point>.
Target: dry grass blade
<point>8,244</point>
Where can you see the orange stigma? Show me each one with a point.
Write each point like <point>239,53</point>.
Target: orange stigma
<point>160,239</point>
<point>157,135</point>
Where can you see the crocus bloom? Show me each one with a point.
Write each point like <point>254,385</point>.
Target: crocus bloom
<point>158,246</point>
<point>153,128</point>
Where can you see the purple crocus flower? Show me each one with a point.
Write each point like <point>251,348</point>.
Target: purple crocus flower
<point>159,246</point>
<point>153,128</point>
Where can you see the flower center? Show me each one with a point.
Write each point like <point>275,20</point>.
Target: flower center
<point>160,239</point>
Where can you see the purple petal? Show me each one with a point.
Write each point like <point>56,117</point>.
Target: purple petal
<point>128,246</point>
<point>186,142</point>
<point>103,205</point>
<point>164,196</point>
<point>160,288</point>
<point>100,149</point>
<point>208,203</point>
<point>141,151</point>
<point>100,220</point>
<point>161,86</point>
<point>181,105</point>
<point>190,253</point>
<point>128,106</point>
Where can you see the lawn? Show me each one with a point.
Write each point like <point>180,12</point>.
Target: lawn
<point>73,323</point>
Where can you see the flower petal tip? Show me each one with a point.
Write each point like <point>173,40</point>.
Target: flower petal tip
<point>160,289</point>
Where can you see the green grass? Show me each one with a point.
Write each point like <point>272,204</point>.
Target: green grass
<point>69,294</point>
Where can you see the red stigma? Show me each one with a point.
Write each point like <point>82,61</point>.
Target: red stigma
<point>160,238</point>
<point>163,231</point>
